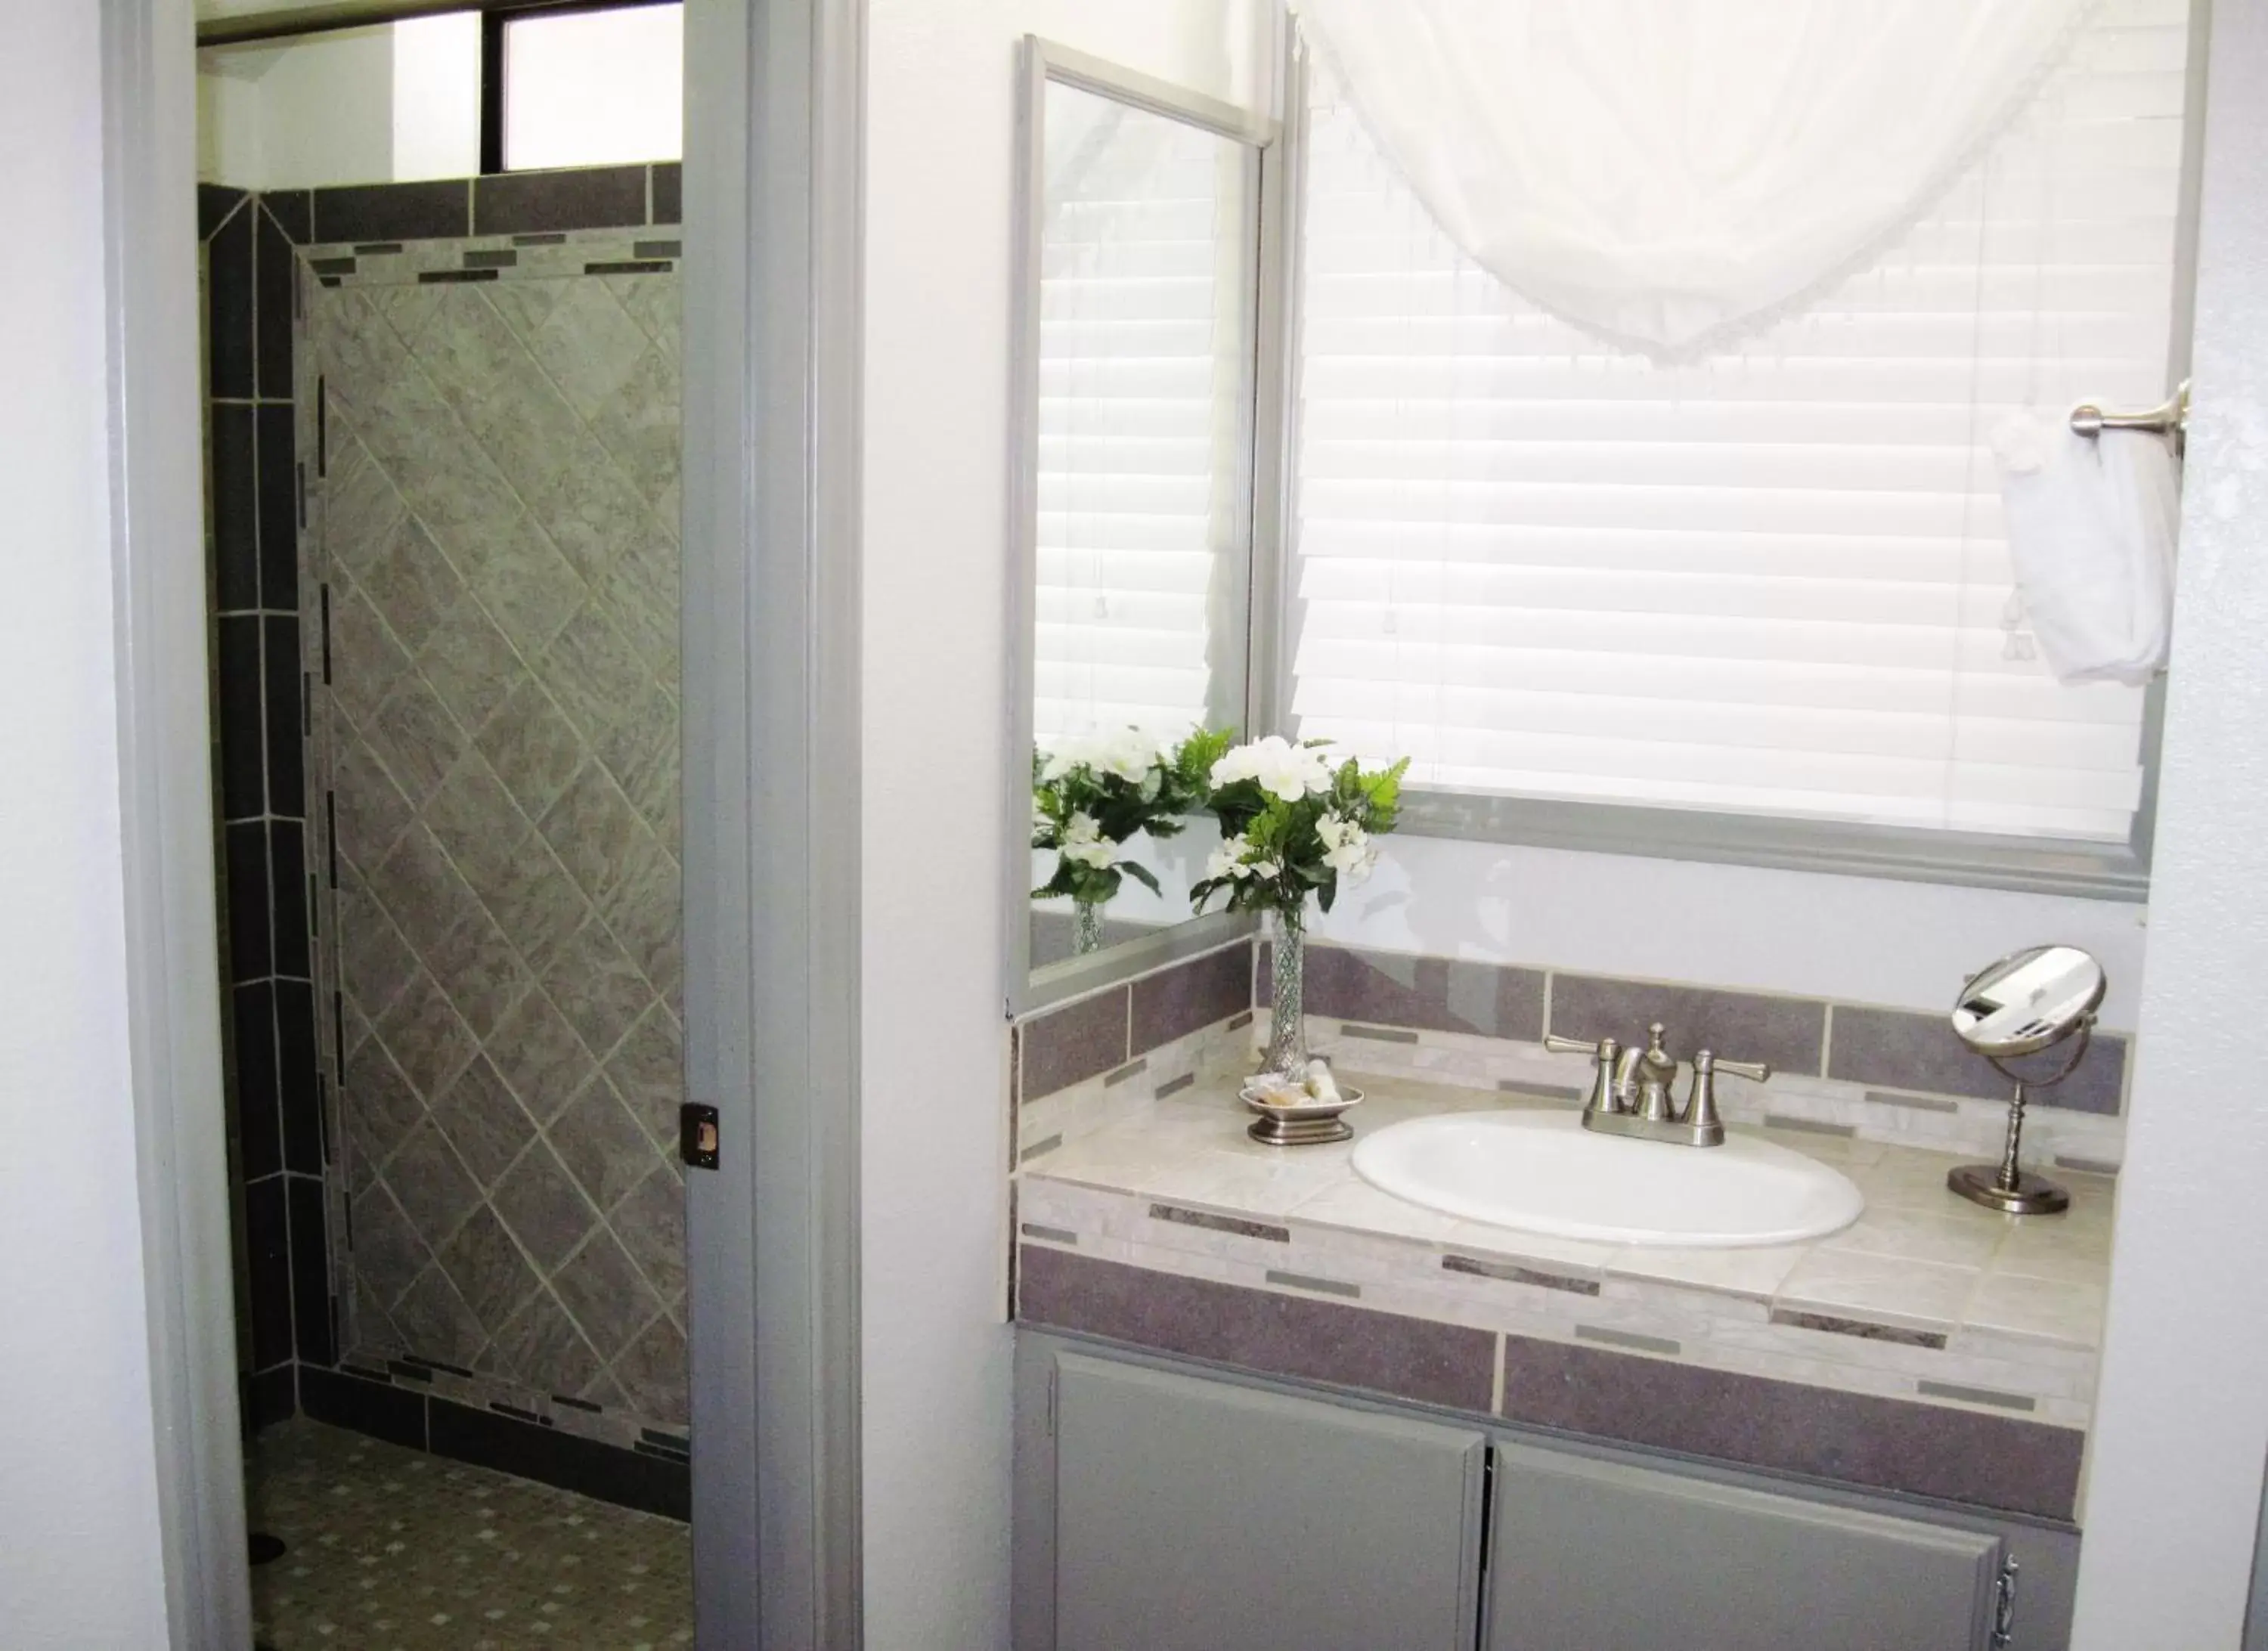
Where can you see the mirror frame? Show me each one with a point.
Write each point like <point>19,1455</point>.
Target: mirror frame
<point>2016,1049</point>
<point>1261,481</point>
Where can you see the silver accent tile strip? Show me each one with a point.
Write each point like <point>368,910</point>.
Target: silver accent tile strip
<point>1810,1126</point>
<point>1549,1091</point>
<point>1052,1234</point>
<point>1976,1396</point>
<point>2086,1166</point>
<point>1378,1034</point>
<point>1172,1086</point>
<point>1628,1339</point>
<point>1037,1148</point>
<point>1138,1064</point>
<point>1238,1022</point>
<point>1919,1103</point>
<point>1324,1286</point>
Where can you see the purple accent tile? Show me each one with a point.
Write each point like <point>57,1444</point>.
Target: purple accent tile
<point>1069,1044</point>
<point>1176,1001</point>
<point>1788,1032</point>
<point>1257,1330</point>
<point>1435,994</point>
<point>1900,1050</point>
<point>2021,1467</point>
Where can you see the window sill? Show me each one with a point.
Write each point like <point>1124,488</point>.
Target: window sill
<point>2092,870</point>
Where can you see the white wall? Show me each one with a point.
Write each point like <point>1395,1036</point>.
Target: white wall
<point>941,103</point>
<point>378,104</point>
<point>79,1565</point>
<point>1857,938</point>
<point>315,109</point>
<point>2181,1411</point>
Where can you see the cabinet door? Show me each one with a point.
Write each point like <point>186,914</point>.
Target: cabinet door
<point>1613,1558</point>
<point>1196,1515</point>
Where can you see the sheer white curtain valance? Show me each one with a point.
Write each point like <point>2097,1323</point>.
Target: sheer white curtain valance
<point>1674,174</point>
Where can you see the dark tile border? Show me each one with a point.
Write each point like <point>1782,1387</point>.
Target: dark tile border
<point>626,1477</point>
<point>653,1482</point>
<point>669,192</point>
<point>437,210</point>
<point>271,1397</point>
<point>2020,1467</point>
<point>1257,1330</point>
<point>579,197</point>
<point>215,202</point>
<point>377,1408</point>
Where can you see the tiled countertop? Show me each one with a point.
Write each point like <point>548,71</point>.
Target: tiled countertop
<point>1926,1299</point>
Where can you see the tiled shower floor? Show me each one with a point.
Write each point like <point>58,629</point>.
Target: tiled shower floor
<point>391,1549</point>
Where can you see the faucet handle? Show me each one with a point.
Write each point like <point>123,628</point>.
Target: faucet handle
<point>1605,1055</point>
<point>1700,1114</point>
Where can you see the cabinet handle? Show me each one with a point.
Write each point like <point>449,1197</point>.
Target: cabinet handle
<point>2004,1607</point>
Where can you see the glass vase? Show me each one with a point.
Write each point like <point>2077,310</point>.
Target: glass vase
<point>1086,932</point>
<point>1287,1031</point>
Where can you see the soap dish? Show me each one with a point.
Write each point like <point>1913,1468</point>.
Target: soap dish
<point>1302,1124</point>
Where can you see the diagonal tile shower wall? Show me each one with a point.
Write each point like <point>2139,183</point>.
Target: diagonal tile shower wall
<point>499,479</point>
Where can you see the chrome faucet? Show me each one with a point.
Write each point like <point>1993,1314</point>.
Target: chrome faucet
<point>1632,1089</point>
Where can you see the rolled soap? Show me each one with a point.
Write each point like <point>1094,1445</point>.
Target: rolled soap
<point>1321,1083</point>
<point>1276,1090</point>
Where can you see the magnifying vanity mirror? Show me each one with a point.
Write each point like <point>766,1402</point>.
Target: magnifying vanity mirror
<point>2031,1003</point>
<point>1141,348</point>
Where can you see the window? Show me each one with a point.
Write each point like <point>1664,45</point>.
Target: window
<point>584,87</point>
<point>1770,584</point>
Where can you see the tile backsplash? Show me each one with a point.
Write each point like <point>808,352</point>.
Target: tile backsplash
<point>1838,1068</point>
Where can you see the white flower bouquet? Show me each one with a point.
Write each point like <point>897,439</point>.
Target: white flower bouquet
<point>1091,793</point>
<point>1293,824</point>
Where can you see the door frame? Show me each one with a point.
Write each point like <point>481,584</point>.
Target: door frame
<point>772,328</point>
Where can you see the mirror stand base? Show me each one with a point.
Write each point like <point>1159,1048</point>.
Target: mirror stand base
<point>2032,1195</point>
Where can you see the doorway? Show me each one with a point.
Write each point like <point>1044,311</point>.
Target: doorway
<point>444,449</point>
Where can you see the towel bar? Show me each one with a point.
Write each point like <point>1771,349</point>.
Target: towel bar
<point>2172,419</point>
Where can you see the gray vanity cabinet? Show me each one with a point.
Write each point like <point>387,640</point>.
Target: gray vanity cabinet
<point>1611,1557</point>
<point>1161,1506</point>
<point>1190,1515</point>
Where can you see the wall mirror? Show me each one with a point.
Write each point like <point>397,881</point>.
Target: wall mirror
<point>1146,334</point>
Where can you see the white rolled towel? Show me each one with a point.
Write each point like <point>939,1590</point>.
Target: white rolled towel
<point>2091,530</point>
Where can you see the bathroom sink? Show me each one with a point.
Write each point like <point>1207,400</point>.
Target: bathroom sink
<point>1542,1172</point>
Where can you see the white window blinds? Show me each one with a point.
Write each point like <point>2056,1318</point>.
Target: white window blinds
<point>1145,346</point>
<point>1771,582</point>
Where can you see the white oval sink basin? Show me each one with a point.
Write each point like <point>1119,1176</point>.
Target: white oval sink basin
<point>1542,1172</point>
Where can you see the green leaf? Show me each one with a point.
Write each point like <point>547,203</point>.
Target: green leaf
<point>1141,875</point>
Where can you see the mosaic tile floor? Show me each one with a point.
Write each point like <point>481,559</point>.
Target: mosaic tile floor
<point>391,1549</point>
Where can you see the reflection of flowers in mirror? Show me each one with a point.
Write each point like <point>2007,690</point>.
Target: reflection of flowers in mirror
<point>1092,793</point>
